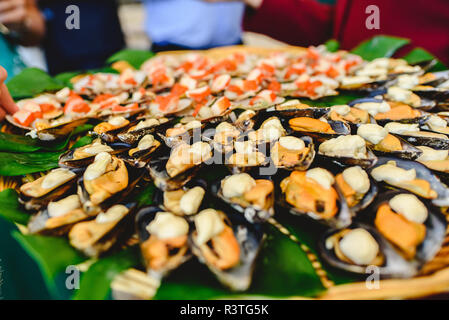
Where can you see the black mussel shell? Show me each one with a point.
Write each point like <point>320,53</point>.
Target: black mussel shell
<point>36,204</point>
<point>365,163</point>
<point>340,128</point>
<point>37,224</point>
<point>432,142</point>
<point>307,161</point>
<point>342,219</point>
<point>158,197</point>
<point>435,227</point>
<point>143,218</point>
<point>251,213</point>
<point>422,172</point>
<point>394,265</point>
<point>134,176</point>
<point>158,172</point>
<point>408,151</point>
<point>115,238</point>
<point>132,137</point>
<point>66,160</point>
<point>250,238</point>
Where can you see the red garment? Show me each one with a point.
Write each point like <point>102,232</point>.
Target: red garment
<point>307,22</point>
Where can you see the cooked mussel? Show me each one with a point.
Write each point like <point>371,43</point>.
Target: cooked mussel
<point>59,131</point>
<point>186,201</point>
<point>106,180</point>
<point>59,217</point>
<point>142,128</point>
<point>320,129</point>
<point>313,193</point>
<point>37,194</point>
<point>163,240</point>
<point>359,248</point>
<point>408,97</point>
<point>224,136</point>
<point>144,150</point>
<point>357,187</point>
<point>85,155</point>
<point>228,245</point>
<point>415,228</point>
<point>109,129</point>
<point>382,143</point>
<point>110,228</point>
<point>293,153</point>
<point>347,150</point>
<point>414,135</point>
<point>411,176</point>
<point>436,160</point>
<point>252,197</point>
<point>384,112</point>
<point>174,171</point>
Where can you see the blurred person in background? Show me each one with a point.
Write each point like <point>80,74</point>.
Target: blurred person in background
<point>21,23</point>
<point>99,35</point>
<point>7,105</point>
<point>192,24</point>
<point>309,22</point>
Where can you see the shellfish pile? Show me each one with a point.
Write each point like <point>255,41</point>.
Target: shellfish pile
<point>373,172</point>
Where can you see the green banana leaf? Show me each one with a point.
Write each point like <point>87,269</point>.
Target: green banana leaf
<point>11,209</point>
<point>419,55</point>
<point>134,57</point>
<point>95,283</point>
<point>332,45</point>
<point>18,143</point>
<point>30,82</point>
<point>282,270</point>
<point>331,100</point>
<point>379,47</point>
<point>43,250</point>
<point>17,164</point>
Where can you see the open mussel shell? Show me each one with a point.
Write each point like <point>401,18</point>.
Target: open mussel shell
<point>432,142</point>
<point>75,158</point>
<point>367,162</point>
<point>285,114</point>
<point>340,128</point>
<point>189,136</point>
<point>306,161</point>
<point>38,203</point>
<point>140,158</point>
<point>250,238</point>
<point>103,236</point>
<point>143,218</point>
<point>368,197</point>
<point>435,227</point>
<point>422,172</point>
<point>161,178</point>
<point>251,212</point>
<point>408,151</point>
<point>60,131</point>
<point>342,219</point>
<point>393,266</point>
<point>420,120</point>
<point>132,137</point>
<point>370,88</point>
<point>134,176</point>
<point>158,198</point>
<point>43,223</point>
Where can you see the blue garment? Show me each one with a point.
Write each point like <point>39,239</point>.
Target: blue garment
<point>194,23</point>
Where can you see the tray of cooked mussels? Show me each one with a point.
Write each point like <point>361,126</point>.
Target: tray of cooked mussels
<point>372,173</point>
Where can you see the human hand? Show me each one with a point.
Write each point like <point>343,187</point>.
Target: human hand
<point>7,105</point>
<point>13,12</point>
<point>252,3</point>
